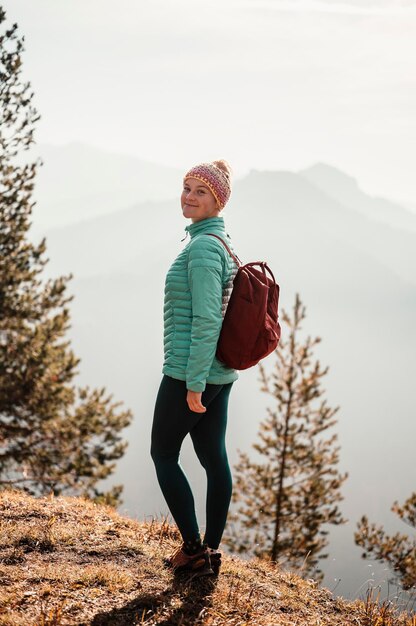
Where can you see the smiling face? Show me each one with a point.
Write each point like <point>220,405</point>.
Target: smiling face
<point>198,201</point>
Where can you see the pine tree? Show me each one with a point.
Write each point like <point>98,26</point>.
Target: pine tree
<point>290,491</point>
<point>53,436</point>
<point>398,551</point>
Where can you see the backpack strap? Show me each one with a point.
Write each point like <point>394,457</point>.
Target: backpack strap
<point>235,257</point>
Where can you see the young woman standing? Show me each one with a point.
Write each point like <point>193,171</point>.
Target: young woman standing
<point>195,388</point>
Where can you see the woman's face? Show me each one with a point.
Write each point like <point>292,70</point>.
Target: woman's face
<point>198,201</point>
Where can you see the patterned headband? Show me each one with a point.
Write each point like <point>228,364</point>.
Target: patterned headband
<point>214,178</point>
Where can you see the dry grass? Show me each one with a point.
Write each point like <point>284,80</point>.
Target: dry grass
<point>67,561</point>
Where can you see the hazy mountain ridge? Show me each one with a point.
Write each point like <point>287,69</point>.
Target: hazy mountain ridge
<point>290,207</point>
<point>78,181</point>
<point>297,208</point>
<point>345,190</point>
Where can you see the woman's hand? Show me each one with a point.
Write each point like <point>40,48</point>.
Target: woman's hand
<point>193,399</point>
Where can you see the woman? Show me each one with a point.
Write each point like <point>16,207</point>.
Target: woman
<point>194,392</point>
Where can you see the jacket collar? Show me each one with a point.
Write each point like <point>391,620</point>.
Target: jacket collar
<point>205,226</point>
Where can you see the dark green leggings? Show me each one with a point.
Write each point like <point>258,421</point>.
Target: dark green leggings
<point>172,421</point>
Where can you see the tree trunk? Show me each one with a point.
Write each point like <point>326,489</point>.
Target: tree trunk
<point>275,551</point>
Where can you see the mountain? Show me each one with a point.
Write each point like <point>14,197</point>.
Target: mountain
<point>269,212</point>
<point>345,190</point>
<point>77,182</point>
<point>299,209</point>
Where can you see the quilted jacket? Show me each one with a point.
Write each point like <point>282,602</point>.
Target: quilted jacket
<point>197,289</point>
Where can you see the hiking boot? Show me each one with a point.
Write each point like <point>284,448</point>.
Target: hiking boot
<point>215,558</point>
<point>196,564</point>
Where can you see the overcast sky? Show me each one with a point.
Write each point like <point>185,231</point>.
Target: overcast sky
<point>272,84</point>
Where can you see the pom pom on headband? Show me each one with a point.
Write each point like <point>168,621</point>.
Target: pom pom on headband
<point>215,178</point>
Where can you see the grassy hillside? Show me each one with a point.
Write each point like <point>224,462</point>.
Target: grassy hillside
<point>67,561</point>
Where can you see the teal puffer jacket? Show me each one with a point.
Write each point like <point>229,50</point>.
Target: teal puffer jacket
<point>197,289</point>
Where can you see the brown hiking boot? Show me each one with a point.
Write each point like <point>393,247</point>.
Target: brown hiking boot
<point>215,558</point>
<point>196,564</point>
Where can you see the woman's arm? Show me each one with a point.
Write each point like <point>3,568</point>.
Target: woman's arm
<point>205,284</point>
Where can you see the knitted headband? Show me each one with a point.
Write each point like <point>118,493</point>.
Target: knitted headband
<point>213,177</point>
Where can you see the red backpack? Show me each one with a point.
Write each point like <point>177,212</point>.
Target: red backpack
<point>250,329</point>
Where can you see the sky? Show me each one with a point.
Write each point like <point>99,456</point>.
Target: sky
<point>266,84</point>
